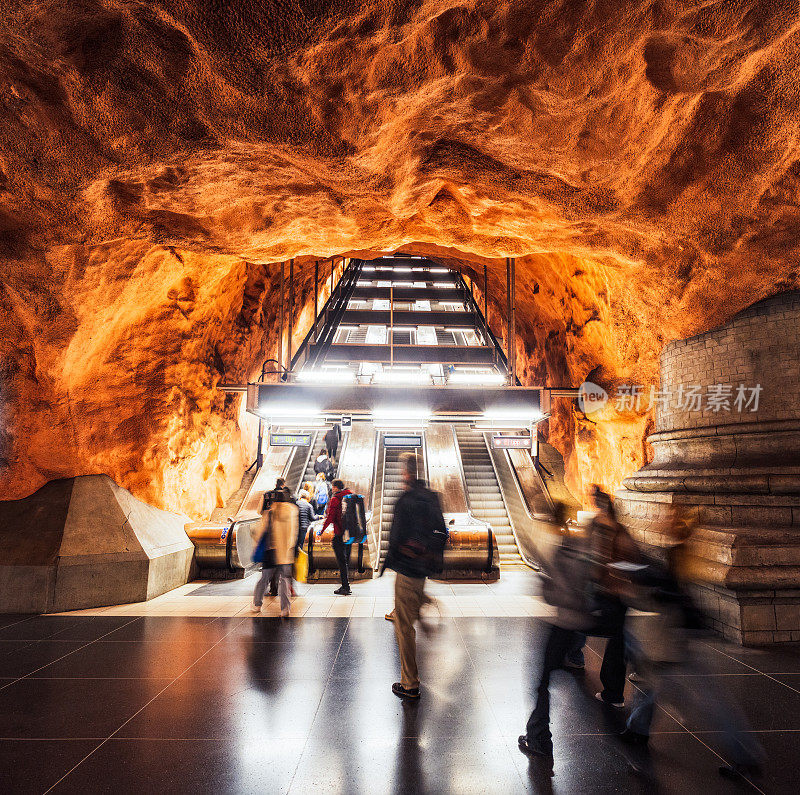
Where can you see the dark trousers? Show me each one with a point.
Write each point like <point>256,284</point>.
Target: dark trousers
<point>342,552</point>
<point>333,448</point>
<point>559,642</point>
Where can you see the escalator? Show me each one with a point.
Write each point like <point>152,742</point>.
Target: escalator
<point>485,498</point>
<point>391,488</point>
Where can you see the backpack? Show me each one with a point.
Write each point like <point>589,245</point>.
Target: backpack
<point>321,493</point>
<point>354,519</point>
<point>423,549</point>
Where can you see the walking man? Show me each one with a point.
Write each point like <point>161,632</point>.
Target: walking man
<point>332,439</point>
<point>333,516</point>
<point>416,545</point>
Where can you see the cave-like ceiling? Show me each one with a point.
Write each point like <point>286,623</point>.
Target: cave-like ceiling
<point>640,159</point>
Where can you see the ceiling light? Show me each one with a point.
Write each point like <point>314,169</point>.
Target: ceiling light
<point>482,379</point>
<point>343,376</point>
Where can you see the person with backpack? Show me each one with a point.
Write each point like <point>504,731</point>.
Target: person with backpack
<point>416,549</point>
<point>322,493</point>
<point>323,465</point>
<point>333,517</point>
<point>275,549</point>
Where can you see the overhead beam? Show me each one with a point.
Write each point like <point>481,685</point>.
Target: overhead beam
<point>409,354</point>
<point>409,293</point>
<point>404,317</point>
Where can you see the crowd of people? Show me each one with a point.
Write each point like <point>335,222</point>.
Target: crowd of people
<point>592,576</point>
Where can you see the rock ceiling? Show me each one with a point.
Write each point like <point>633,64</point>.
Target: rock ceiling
<point>157,159</point>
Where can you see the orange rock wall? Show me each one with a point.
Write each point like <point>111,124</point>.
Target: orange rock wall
<point>639,159</point>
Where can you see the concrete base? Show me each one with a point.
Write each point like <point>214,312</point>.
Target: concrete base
<point>86,542</point>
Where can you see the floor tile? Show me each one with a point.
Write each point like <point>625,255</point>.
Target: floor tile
<point>30,767</point>
<point>20,658</point>
<point>164,628</point>
<point>111,660</point>
<point>190,766</point>
<point>783,659</point>
<point>62,708</point>
<point>230,710</point>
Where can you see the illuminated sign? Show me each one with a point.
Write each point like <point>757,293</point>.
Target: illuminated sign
<point>402,440</point>
<point>511,442</point>
<point>347,421</point>
<point>290,439</point>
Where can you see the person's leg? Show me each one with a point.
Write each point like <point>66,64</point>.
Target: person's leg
<point>341,559</point>
<point>407,600</point>
<point>612,670</point>
<point>574,657</point>
<point>537,729</point>
<point>284,584</point>
<point>261,586</point>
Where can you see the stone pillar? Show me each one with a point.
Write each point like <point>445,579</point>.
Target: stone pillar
<point>736,469</point>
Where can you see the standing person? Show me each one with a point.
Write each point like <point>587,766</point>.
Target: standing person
<point>332,439</point>
<point>323,465</point>
<point>416,543</point>
<point>322,493</point>
<point>305,518</point>
<point>280,526</point>
<point>333,516</point>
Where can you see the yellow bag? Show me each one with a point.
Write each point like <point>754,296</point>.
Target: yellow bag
<point>301,567</point>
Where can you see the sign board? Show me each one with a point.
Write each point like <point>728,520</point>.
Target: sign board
<point>402,440</point>
<point>347,422</point>
<point>511,442</point>
<point>290,439</point>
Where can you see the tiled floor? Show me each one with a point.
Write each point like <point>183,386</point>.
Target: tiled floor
<point>177,704</point>
<point>514,595</point>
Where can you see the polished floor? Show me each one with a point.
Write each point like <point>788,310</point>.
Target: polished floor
<point>176,704</point>
<point>515,594</point>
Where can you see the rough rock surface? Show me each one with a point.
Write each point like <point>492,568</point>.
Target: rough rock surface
<point>639,158</point>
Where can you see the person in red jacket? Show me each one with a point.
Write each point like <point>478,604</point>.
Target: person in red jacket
<point>333,516</point>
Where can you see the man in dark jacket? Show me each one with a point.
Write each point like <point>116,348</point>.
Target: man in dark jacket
<point>333,516</point>
<point>324,465</point>
<point>332,438</point>
<point>306,517</point>
<point>416,541</point>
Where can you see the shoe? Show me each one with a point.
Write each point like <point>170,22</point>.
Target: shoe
<point>405,692</point>
<point>634,677</point>
<point>534,749</point>
<point>617,704</point>
<point>343,591</point>
<point>633,738</point>
<point>254,608</point>
<point>577,666</point>
<point>389,616</point>
<point>284,614</point>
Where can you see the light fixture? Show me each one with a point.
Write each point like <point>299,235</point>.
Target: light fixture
<point>410,377</point>
<point>280,410</point>
<point>476,378</point>
<point>327,376</point>
<point>398,416</point>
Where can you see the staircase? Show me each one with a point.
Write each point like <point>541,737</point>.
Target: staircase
<point>391,488</point>
<point>483,492</point>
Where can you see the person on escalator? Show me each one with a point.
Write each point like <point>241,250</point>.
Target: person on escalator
<point>416,549</point>
<point>323,465</point>
<point>333,517</point>
<point>322,493</point>
<point>332,439</point>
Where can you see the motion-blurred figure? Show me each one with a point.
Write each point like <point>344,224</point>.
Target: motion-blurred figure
<point>279,527</point>
<point>669,661</point>
<point>587,596</point>
<point>332,438</point>
<point>416,545</point>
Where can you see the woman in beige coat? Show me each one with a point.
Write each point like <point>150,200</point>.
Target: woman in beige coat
<point>281,522</point>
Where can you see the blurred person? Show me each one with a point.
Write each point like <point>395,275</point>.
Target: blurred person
<point>323,465</point>
<point>279,528</point>
<point>416,545</point>
<point>670,664</point>
<point>332,438</point>
<point>333,517</point>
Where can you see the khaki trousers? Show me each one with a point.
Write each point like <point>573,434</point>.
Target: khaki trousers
<point>409,596</point>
